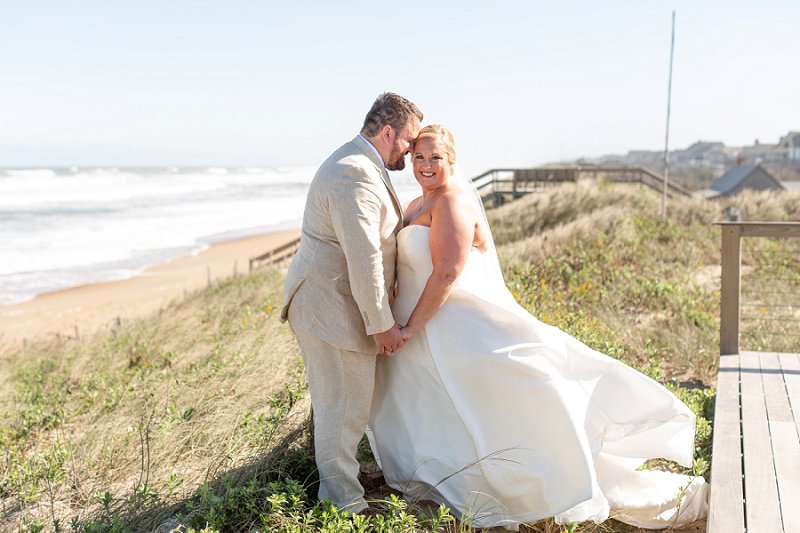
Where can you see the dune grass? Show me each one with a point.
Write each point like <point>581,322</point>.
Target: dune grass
<point>197,417</point>
<point>122,423</point>
<point>600,254</point>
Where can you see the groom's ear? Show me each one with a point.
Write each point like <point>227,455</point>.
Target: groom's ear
<point>386,134</point>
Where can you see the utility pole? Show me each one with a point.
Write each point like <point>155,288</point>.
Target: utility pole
<point>666,136</point>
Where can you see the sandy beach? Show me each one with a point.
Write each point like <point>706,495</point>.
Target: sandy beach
<point>88,309</point>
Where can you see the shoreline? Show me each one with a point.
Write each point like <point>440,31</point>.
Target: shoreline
<point>87,309</point>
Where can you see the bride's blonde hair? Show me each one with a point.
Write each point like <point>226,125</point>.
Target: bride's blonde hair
<point>443,135</point>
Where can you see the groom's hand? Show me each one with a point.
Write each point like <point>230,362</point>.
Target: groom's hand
<point>389,341</point>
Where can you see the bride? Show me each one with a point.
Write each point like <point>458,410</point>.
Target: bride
<point>501,417</point>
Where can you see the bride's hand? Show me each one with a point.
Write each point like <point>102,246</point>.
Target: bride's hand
<point>405,333</point>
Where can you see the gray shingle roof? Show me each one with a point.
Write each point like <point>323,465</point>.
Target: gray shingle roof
<point>732,177</point>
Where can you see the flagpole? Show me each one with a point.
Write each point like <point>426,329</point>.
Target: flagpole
<point>666,136</point>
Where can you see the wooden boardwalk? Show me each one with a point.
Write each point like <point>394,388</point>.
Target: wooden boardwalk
<point>276,255</point>
<point>501,184</point>
<point>755,473</point>
<point>755,461</point>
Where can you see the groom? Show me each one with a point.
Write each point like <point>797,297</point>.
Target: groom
<point>337,290</point>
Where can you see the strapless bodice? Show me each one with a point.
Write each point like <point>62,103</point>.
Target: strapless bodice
<point>414,267</point>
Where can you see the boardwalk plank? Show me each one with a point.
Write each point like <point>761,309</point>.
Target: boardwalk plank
<point>786,448</point>
<point>790,364</point>
<point>726,506</point>
<point>775,396</point>
<point>760,485</point>
<point>785,439</point>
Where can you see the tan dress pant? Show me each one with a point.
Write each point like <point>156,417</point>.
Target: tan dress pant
<point>341,383</point>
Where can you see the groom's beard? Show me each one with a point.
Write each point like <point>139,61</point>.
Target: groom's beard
<point>397,159</point>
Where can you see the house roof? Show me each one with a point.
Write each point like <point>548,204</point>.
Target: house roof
<point>760,148</point>
<point>703,146</point>
<point>732,177</point>
<point>736,175</point>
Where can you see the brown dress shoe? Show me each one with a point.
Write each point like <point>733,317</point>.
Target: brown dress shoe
<point>369,512</point>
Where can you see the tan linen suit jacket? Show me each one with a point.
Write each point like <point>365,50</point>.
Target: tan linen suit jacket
<point>340,280</point>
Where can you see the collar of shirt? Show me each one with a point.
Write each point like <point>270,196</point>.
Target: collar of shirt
<point>373,148</point>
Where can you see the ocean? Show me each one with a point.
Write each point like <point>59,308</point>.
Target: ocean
<point>65,227</point>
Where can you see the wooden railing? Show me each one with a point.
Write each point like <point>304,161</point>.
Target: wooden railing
<point>275,255</point>
<point>732,233</point>
<point>499,183</point>
<point>642,175</point>
<point>492,180</point>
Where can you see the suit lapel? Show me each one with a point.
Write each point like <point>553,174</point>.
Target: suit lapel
<point>375,158</point>
<point>395,199</point>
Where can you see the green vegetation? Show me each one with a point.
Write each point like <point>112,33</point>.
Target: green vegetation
<point>197,419</point>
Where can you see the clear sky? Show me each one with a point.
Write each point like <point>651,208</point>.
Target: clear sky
<point>245,82</point>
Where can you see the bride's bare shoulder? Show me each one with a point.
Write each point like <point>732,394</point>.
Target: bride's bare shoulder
<point>460,202</point>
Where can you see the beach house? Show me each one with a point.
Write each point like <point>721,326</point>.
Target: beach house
<point>739,178</point>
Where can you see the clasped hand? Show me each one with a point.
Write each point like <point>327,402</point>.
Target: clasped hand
<point>392,339</point>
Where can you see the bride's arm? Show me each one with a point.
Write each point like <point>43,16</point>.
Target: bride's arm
<point>451,235</point>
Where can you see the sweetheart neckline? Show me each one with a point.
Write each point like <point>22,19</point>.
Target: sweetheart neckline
<point>472,247</point>
<point>412,225</point>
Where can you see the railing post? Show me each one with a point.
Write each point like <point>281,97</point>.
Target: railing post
<point>730,289</point>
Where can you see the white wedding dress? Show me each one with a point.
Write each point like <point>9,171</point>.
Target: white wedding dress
<point>508,420</point>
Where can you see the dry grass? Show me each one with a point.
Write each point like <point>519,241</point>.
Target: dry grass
<point>159,406</point>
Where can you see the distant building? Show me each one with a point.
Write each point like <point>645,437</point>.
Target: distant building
<point>712,157</point>
<point>645,158</point>
<point>739,178</point>
<point>701,153</point>
<point>769,154</point>
<point>790,143</point>
<point>784,154</point>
